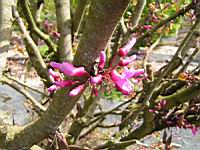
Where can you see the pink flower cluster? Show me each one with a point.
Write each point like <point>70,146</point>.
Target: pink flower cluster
<point>121,81</point>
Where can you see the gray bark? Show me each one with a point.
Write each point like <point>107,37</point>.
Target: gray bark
<point>64,28</point>
<point>5,31</point>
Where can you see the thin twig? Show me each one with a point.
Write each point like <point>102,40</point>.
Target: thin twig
<point>33,101</point>
<point>163,22</point>
<point>25,85</point>
<point>33,27</point>
<point>187,62</point>
<point>33,51</point>
<point>115,108</point>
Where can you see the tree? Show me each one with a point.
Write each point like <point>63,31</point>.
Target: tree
<point>166,95</point>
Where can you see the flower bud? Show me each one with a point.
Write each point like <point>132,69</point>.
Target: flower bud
<point>77,90</point>
<point>126,48</point>
<point>96,79</point>
<point>102,61</point>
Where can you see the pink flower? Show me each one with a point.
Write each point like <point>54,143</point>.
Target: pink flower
<point>55,76</point>
<point>147,27</point>
<point>69,69</point>
<point>95,91</point>
<point>55,65</point>
<point>115,76</point>
<point>102,60</point>
<point>152,110</point>
<point>96,79</point>
<point>126,61</point>
<point>130,73</point>
<point>122,84</point>
<point>194,130</point>
<point>46,24</point>
<point>63,84</point>
<point>163,103</point>
<point>53,88</point>
<point>55,34</point>
<point>77,90</point>
<point>126,48</point>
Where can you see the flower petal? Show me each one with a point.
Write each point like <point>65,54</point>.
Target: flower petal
<point>55,65</point>
<point>147,27</point>
<point>194,130</point>
<point>65,83</point>
<point>53,88</point>
<point>96,79</point>
<point>115,76</point>
<point>56,34</point>
<point>130,73</point>
<point>102,60</point>
<point>126,48</point>
<point>124,86</point>
<point>54,74</point>
<point>126,61</point>
<point>69,70</point>
<point>77,90</point>
<point>138,72</point>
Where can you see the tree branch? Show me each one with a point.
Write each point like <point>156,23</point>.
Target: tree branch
<point>64,28</point>
<point>163,22</point>
<point>25,85</point>
<point>78,15</point>
<point>136,15</point>
<point>34,102</point>
<point>33,51</point>
<point>33,27</point>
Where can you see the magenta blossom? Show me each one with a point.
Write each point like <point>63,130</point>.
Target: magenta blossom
<point>69,69</point>
<point>96,79</point>
<point>131,73</point>
<point>65,83</point>
<point>100,75</point>
<point>126,48</point>
<point>77,90</point>
<point>60,84</point>
<point>194,130</point>
<point>55,76</point>
<point>122,82</point>
<point>124,86</point>
<point>55,34</point>
<point>102,60</point>
<point>147,27</point>
<point>53,88</point>
<point>127,61</point>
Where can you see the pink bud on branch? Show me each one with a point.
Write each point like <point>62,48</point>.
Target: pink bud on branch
<point>126,48</point>
<point>102,60</point>
<point>77,90</point>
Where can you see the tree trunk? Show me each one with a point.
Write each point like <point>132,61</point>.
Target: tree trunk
<point>5,31</point>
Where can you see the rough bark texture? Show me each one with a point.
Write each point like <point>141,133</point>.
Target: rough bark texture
<point>64,28</point>
<point>5,30</point>
<point>103,16</point>
<point>100,24</point>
